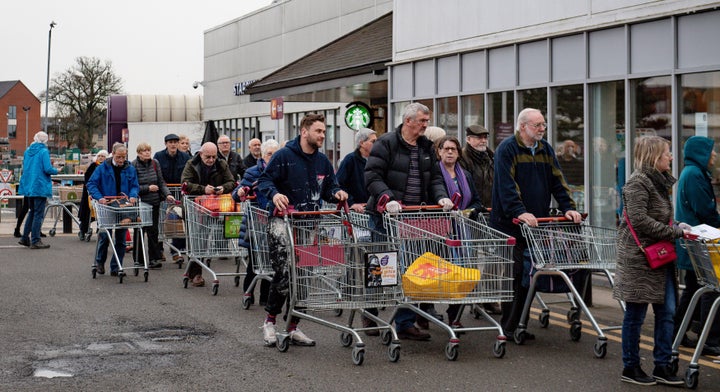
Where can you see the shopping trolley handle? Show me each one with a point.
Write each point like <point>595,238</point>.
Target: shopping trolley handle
<point>550,219</point>
<point>691,236</point>
<point>246,193</point>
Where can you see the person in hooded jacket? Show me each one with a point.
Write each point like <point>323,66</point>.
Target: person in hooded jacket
<point>114,177</point>
<point>36,185</point>
<point>298,175</point>
<point>84,210</point>
<point>695,205</point>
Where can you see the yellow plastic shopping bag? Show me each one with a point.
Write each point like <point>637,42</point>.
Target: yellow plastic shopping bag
<point>714,251</point>
<point>431,277</point>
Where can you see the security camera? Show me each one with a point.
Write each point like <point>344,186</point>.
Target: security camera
<point>196,84</point>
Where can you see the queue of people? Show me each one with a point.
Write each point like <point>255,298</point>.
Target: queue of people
<point>520,180</point>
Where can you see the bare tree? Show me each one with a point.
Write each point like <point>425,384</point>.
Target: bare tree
<point>81,95</point>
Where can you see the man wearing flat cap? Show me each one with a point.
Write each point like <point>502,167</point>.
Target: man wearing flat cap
<point>172,163</point>
<point>479,161</point>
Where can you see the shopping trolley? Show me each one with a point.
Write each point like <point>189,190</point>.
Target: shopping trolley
<point>556,247</point>
<point>212,234</point>
<point>328,271</point>
<point>121,215</point>
<point>705,258</point>
<point>171,222</point>
<point>446,258</point>
<point>61,207</point>
<point>257,224</point>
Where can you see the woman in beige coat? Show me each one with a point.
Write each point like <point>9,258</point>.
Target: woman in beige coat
<point>649,209</point>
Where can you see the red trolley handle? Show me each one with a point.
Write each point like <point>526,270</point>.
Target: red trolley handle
<point>384,199</point>
<point>551,219</point>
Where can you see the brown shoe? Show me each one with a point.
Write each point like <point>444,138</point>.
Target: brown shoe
<point>198,281</point>
<point>367,323</point>
<point>422,323</point>
<point>413,333</point>
<point>492,308</point>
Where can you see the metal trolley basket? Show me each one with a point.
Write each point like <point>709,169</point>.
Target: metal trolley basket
<point>211,235</point>
<point>329,272</point>
<point>118,216</point>
<point>556,247</point>
<point>171,222</point>
<point>705,258</point>
<point>429,240</point>
<point>257,223</point>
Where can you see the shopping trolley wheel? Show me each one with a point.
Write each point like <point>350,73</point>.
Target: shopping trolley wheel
<point>338,312</point>
<point>215,288</point>
<point>385,337</point>
<point>544,318</point>
<point>185,281</point>
<point>451,351</point>
<point>145,275</point>
<point>346,339</point>
<point>52,232</point>
<point>358,355</point>
<point>283,342</point>
<point>600,349</point>
<point>575,331</point>
<point>520,336</point>
<point>94,272</point>
<point>499,348</point>
<point>573,315</point>
<point>136,270</point>
<point>691,378</point>
<point>237,281</point>
<point>246,302</point>
<point>394,353</point>
<point>121,275</point>
<point>88,236</point>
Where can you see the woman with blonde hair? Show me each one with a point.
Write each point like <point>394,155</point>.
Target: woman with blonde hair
<point>649,211</point>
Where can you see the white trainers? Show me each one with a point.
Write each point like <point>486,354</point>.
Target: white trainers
<point>269,333</point>
<point>300,339</point>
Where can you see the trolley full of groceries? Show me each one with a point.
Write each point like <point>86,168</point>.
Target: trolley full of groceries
<point>705,258</point>
<point>447,258</point>
<point>213,228</point>
<point>330,270</point>
<point>118,214</point>
<point>559,257</point>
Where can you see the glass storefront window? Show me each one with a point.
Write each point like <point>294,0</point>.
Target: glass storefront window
<point>398,109</point>
<point>652,103</point>
<point>568,138</point>
<point>701,114</point>
<point>447,117</point>
<point>607,156</point>
<point>501,117</point>
<point>533,98</point>
<point>473,110</point>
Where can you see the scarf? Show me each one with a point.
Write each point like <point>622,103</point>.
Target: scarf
<point>461,187</point>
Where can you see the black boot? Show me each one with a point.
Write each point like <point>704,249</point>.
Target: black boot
<point>17,233</point>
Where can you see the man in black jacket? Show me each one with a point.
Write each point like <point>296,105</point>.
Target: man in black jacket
<point>403,167</point>
<point>252,157</point>
<point>233,159</point>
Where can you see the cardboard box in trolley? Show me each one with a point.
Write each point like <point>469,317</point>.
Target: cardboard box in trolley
<point>71,193</point>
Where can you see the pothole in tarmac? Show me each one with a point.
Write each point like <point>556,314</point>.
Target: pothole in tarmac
<point>147,348</point>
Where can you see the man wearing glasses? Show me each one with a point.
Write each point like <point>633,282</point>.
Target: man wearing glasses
<point>206,175</point>
<point>233,159</point>
<point>527,175</point>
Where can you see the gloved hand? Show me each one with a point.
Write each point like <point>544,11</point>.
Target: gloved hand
<point>393,207</point>
<point>685,226</point>
<point>446,204</point>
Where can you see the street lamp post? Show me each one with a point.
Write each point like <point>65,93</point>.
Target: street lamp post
<point>47,81</point>
<point>26,109</point>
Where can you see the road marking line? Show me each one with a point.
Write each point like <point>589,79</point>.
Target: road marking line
<point>615,337</point>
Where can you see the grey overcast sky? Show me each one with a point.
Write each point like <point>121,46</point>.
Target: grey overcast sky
<point>155,46</point>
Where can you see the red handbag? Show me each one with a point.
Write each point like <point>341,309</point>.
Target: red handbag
<point>657,254</point>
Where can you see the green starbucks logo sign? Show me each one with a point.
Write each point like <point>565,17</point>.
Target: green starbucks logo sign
<point>358,115</point>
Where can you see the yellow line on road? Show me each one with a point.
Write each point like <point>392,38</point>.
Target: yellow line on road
<point>615,335</point>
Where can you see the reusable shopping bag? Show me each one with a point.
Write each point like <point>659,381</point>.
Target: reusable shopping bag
<point>431,277</point>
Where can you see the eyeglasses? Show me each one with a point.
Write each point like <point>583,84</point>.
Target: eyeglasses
<point>538,125</point>
<point>223,142</point>
<point>449,149</point>
<point>423,121</point>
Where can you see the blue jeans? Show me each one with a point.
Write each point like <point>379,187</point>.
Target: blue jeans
<point>664,325</point>
<point>404,318</point>
<point>35,218</point>
<point>102,248</point>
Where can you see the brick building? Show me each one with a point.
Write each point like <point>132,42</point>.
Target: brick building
<point>20,110</point>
